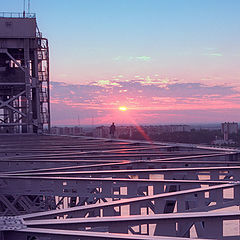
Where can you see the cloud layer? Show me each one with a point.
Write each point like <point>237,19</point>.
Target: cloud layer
<point>150,100</point>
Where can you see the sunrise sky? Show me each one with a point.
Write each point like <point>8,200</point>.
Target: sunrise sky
<point>166,61</point>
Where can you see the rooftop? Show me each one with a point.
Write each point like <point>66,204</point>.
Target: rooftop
<point>17,15</point>
<point>97,188</point>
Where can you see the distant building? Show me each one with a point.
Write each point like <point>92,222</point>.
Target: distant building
<point>221,142</point>
<point>179,128</point>
<point>125,131</point>
<point>67,130</point>
<point>229,128</point>
<point>101,132</point>
<point>152,130</point>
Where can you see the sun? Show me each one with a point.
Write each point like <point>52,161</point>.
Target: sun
<point>122,108</point>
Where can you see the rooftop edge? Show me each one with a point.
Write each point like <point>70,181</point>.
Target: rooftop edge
<point>17,15</point>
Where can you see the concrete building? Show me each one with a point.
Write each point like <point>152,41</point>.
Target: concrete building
<point>151,130</point>
<point>125,131</point>
<point>180,128</point>
<point>24,75</point>
<point>101,132</point>
<point>67,130</point>
<point>229,128</point>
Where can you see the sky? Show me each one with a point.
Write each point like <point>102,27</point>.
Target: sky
<point>167,61</point>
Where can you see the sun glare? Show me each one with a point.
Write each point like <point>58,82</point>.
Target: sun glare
<point>122,108</point>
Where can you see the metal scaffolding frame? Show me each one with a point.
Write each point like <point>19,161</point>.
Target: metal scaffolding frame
<point>65,187</point>
<point>24,75</point>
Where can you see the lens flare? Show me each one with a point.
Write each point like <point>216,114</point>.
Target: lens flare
<point>122,108</point>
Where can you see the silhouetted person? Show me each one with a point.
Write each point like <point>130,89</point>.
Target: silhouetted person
<point>112,130</point>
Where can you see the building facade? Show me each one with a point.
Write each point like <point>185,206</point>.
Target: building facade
<point>229,128</point>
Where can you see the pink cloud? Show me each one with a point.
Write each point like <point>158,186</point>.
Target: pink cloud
<point>149,100</point>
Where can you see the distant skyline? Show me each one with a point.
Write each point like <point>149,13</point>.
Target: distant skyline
<point>167,61</point>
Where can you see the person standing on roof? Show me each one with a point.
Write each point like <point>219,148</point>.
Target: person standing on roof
<point>112,130</point>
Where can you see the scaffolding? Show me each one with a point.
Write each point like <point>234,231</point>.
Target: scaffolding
<point>24,75</point>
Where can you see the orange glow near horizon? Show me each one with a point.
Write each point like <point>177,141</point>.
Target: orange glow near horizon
<point>132,121</point>
<point>122,108</point>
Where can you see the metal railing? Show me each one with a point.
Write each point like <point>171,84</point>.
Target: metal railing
<point>17,15</point>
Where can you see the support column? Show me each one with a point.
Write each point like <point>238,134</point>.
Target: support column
<point>28,86</point>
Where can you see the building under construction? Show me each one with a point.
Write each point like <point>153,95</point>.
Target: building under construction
<point>24,75</point>
<point>56,187</point>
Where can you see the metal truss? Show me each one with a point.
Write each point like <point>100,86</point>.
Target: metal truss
<point>24,77</point>
<point>62,187</point>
